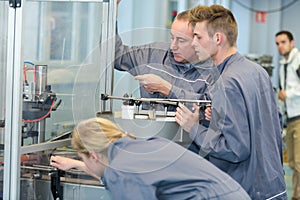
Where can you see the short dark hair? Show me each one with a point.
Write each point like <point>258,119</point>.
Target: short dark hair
<point>287,33</point>
<point>217,18</point>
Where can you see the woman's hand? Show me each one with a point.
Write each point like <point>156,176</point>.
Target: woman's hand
<point>65,163</point>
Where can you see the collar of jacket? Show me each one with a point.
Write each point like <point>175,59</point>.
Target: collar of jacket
<point>292,55</point>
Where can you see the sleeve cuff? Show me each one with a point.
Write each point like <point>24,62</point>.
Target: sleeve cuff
<point>196,133</point>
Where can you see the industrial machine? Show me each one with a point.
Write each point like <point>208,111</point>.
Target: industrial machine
<point>57,52</point>
<point>59,72</point>
<point>266,61</point>
<point>38,103</point>
<point>148,123</point>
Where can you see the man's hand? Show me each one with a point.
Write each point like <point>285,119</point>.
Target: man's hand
<point>282,95</point>
<point>186,118</point>
<point>208,113</point>
<point>154,83</point>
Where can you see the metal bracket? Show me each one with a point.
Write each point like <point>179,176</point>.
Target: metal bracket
<point>45,146</point>
<point>15,3</point>
<point>2,123</point>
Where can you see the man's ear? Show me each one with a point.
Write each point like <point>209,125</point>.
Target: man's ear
<point>218,37</point>
<point>293,43</point>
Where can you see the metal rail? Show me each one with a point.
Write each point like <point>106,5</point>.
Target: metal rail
<point>137,101</point>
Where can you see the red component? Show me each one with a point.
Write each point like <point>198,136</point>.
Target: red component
<point>261,17</point>
<point>174,13</point>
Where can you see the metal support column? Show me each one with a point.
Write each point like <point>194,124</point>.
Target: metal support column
<point>13,105</point>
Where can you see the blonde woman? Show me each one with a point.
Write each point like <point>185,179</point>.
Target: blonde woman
<point>155,168</point>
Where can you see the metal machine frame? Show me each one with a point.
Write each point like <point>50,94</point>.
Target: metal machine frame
<point>14,105</point>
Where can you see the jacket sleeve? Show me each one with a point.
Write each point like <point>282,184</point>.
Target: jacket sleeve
<point>131,58</point>
<point>196,88</point>
<point>228,136</point>
<point>182,93</point>
<point>125,57</point>
<point>293,92</point>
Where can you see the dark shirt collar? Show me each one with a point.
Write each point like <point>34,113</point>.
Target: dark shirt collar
<point>222,66</point>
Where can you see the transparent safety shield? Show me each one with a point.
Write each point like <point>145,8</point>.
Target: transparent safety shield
<point>62,53</point>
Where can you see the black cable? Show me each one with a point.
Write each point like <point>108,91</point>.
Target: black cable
<point>267,11</point>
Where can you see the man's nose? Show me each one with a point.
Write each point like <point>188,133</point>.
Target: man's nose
<point>194,42</point>
<point>174,45</point>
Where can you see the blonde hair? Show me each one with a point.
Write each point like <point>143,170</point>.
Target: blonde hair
<point>96,134</point>
<point>217,18</point>
<point>184,15</point>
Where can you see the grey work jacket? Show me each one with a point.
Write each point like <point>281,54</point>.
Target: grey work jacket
<point>244,136</point>
<point>158,168</point>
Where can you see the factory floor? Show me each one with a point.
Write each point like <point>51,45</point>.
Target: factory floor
<point>288,179</point>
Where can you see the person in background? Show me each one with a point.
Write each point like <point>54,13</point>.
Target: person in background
<point>155,168</point>
<point>167,70</point>
<point>289,94</point>
<point>244,135</point>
